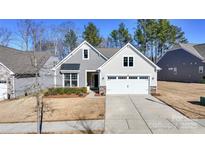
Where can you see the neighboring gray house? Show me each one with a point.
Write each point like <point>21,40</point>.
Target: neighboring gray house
<point>17,71</point>
<point>109,70</point>
<point>183,63</point>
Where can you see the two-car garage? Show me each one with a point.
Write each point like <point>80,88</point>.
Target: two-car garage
<point>127,84</point>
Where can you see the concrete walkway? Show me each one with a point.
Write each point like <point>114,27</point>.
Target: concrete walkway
<point>146,114</point>
<point>51,127</point>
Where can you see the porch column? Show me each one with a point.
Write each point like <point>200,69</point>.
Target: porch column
<point>63,80</point>
<point>55,78</point>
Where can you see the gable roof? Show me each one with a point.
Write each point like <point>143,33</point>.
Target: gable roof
<point>197,50</point>
<point>20,62</point>
<point>137,51</point>
<point>108,52</point>
<point>70,66</point>
<point>75,50</point>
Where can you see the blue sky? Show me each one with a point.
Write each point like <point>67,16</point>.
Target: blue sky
<point>194,29</point>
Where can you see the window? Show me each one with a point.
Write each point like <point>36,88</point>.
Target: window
<point>122,77</point>
<point>2,81</point>
<point>175,70</point>
<point>85,54</point>
<point>111,77</point>
<point>125,61</point>
<point>128,62</point>
<point>201,69</point>
<point>143,77</point>
<point>71,79</point>
<point>133,77</point>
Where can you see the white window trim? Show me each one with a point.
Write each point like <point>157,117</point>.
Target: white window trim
<point>202,69</point>
<point>83,54</point>
<point>127,61</point>
<point>63,80</point>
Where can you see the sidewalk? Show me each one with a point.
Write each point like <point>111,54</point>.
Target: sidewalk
<point>52,127</point>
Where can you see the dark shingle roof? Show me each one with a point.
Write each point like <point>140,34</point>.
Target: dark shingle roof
<point>201,49</point>
<point>197,50</point>
<point>70,67</point>
<point>108,52</point>
<point>21,62</point>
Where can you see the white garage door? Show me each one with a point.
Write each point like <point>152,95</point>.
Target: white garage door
<point>3,90</point>
<point>127,85</point>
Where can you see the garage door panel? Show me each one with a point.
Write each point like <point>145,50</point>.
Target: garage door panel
<point>3,90</point>
<point>128,85</point>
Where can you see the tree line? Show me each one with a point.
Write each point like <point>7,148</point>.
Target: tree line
<point>153,37</point>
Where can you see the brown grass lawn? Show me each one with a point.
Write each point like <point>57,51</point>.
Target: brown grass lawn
<point>184,97</point>
<point>55,109</point>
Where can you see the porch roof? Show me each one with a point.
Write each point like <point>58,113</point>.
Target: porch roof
<point>70,67</point>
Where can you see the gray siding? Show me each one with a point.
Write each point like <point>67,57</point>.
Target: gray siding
<point>187,67</point>
<point>23,85</point>
<point>95,61</point>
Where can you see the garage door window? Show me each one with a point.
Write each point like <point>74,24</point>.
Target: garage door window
<point>2,81</point>
<point>111,77</point>
<point>143,77</point>
<point>133,77</point>
<point>122,77</point>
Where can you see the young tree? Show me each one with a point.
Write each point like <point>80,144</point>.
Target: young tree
<point>71,39</point>
<point>120,36</point>
<point>91,34</point>
<point>5,36</point>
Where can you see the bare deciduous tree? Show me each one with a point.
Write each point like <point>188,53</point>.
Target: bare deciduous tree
<point>24,33</point>
<point>5,36</point>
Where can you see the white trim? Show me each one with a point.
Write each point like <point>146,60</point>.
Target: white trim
<point>129,45</point>
<point>11,73</point>
<point>76,50</point>
<point>63,80</point>
<point>86,71</point>
<point>83,54</point>
<point>78,80</point>
<point>55,79</point>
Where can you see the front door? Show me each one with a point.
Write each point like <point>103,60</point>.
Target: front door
<point>96,80</point>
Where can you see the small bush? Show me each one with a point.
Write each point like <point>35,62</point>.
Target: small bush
<point>68,91</point>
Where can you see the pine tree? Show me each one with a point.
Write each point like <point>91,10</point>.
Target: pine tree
<point>91,34</point>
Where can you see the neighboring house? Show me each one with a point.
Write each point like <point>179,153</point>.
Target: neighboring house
<point>17,71</point>
<point>109,70</point>
<point>183,63</point>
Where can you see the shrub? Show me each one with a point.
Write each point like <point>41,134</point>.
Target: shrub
<point>61,91</point>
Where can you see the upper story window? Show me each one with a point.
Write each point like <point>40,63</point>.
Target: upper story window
<point>128,61</point>
<point>85,54</point>
<point>201,69</point>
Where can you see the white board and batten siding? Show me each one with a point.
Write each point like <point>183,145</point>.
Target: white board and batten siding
<point>138,79</point>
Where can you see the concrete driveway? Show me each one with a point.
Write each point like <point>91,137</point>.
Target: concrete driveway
<point>145,114</point>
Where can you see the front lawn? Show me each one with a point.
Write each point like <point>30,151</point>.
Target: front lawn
<point>55,109</point>
<point>184,97</point>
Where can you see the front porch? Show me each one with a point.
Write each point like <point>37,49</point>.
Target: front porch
<point>92,80</point>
